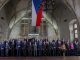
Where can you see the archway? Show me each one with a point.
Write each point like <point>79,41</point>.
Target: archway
<point>58,18</point>
<point>74,29</point>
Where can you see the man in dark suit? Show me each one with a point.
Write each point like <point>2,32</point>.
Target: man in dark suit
<point>2,49</point>
<point>6,48</point>
<point>18,48</point>
<point>35,48</point>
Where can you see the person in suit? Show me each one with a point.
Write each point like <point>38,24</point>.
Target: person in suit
<point>13,47</point>
<point>50,49</point>
<point>39,48</point>
<point>30,49</point>
<point>47,47</point>
<point>71,49</point>
<point>2,49</point>
<point>35,48</point>
<point>10,47</point>
<point>18,48</point>
<point>58,44</point>
<point>6,48</point>
<point>53,48</point>
<point>67,44</point>
<point>75,47</point>
<point>27,47</point>
<point>24,48</point>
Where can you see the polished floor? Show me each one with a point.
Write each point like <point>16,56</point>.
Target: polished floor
<point>41,58</point>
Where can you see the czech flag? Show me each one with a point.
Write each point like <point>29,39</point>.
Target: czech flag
<point>37,9</point>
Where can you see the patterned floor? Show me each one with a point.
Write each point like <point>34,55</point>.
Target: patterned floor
<point>40,58</point>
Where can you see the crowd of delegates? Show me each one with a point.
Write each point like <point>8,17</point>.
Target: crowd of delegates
<point>41,47</point>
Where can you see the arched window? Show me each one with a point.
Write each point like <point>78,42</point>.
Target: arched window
<point>75,30</point>
<point>73,27</point>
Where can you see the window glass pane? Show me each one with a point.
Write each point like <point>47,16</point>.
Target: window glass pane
<point>71,27</point>
<point>75,25</point>
<point>71,37</point>
<point>76,35</point>
<point>76,31</point>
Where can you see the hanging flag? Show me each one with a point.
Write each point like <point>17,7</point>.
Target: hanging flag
<point>39,16</point>
<point>37,8</point>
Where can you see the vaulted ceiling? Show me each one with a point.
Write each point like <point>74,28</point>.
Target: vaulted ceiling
<point>53,8</point>
<point>11,11</point>
<point>2,3</point>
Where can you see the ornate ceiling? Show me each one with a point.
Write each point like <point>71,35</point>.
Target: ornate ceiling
<point>3,2</point>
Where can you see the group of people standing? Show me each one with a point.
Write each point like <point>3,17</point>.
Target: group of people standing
<point>39,47</point>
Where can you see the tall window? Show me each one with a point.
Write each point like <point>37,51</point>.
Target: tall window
<point>71,32</point>
<point>73,27</point>
<point>75,30</point>
<point>24,28</point>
